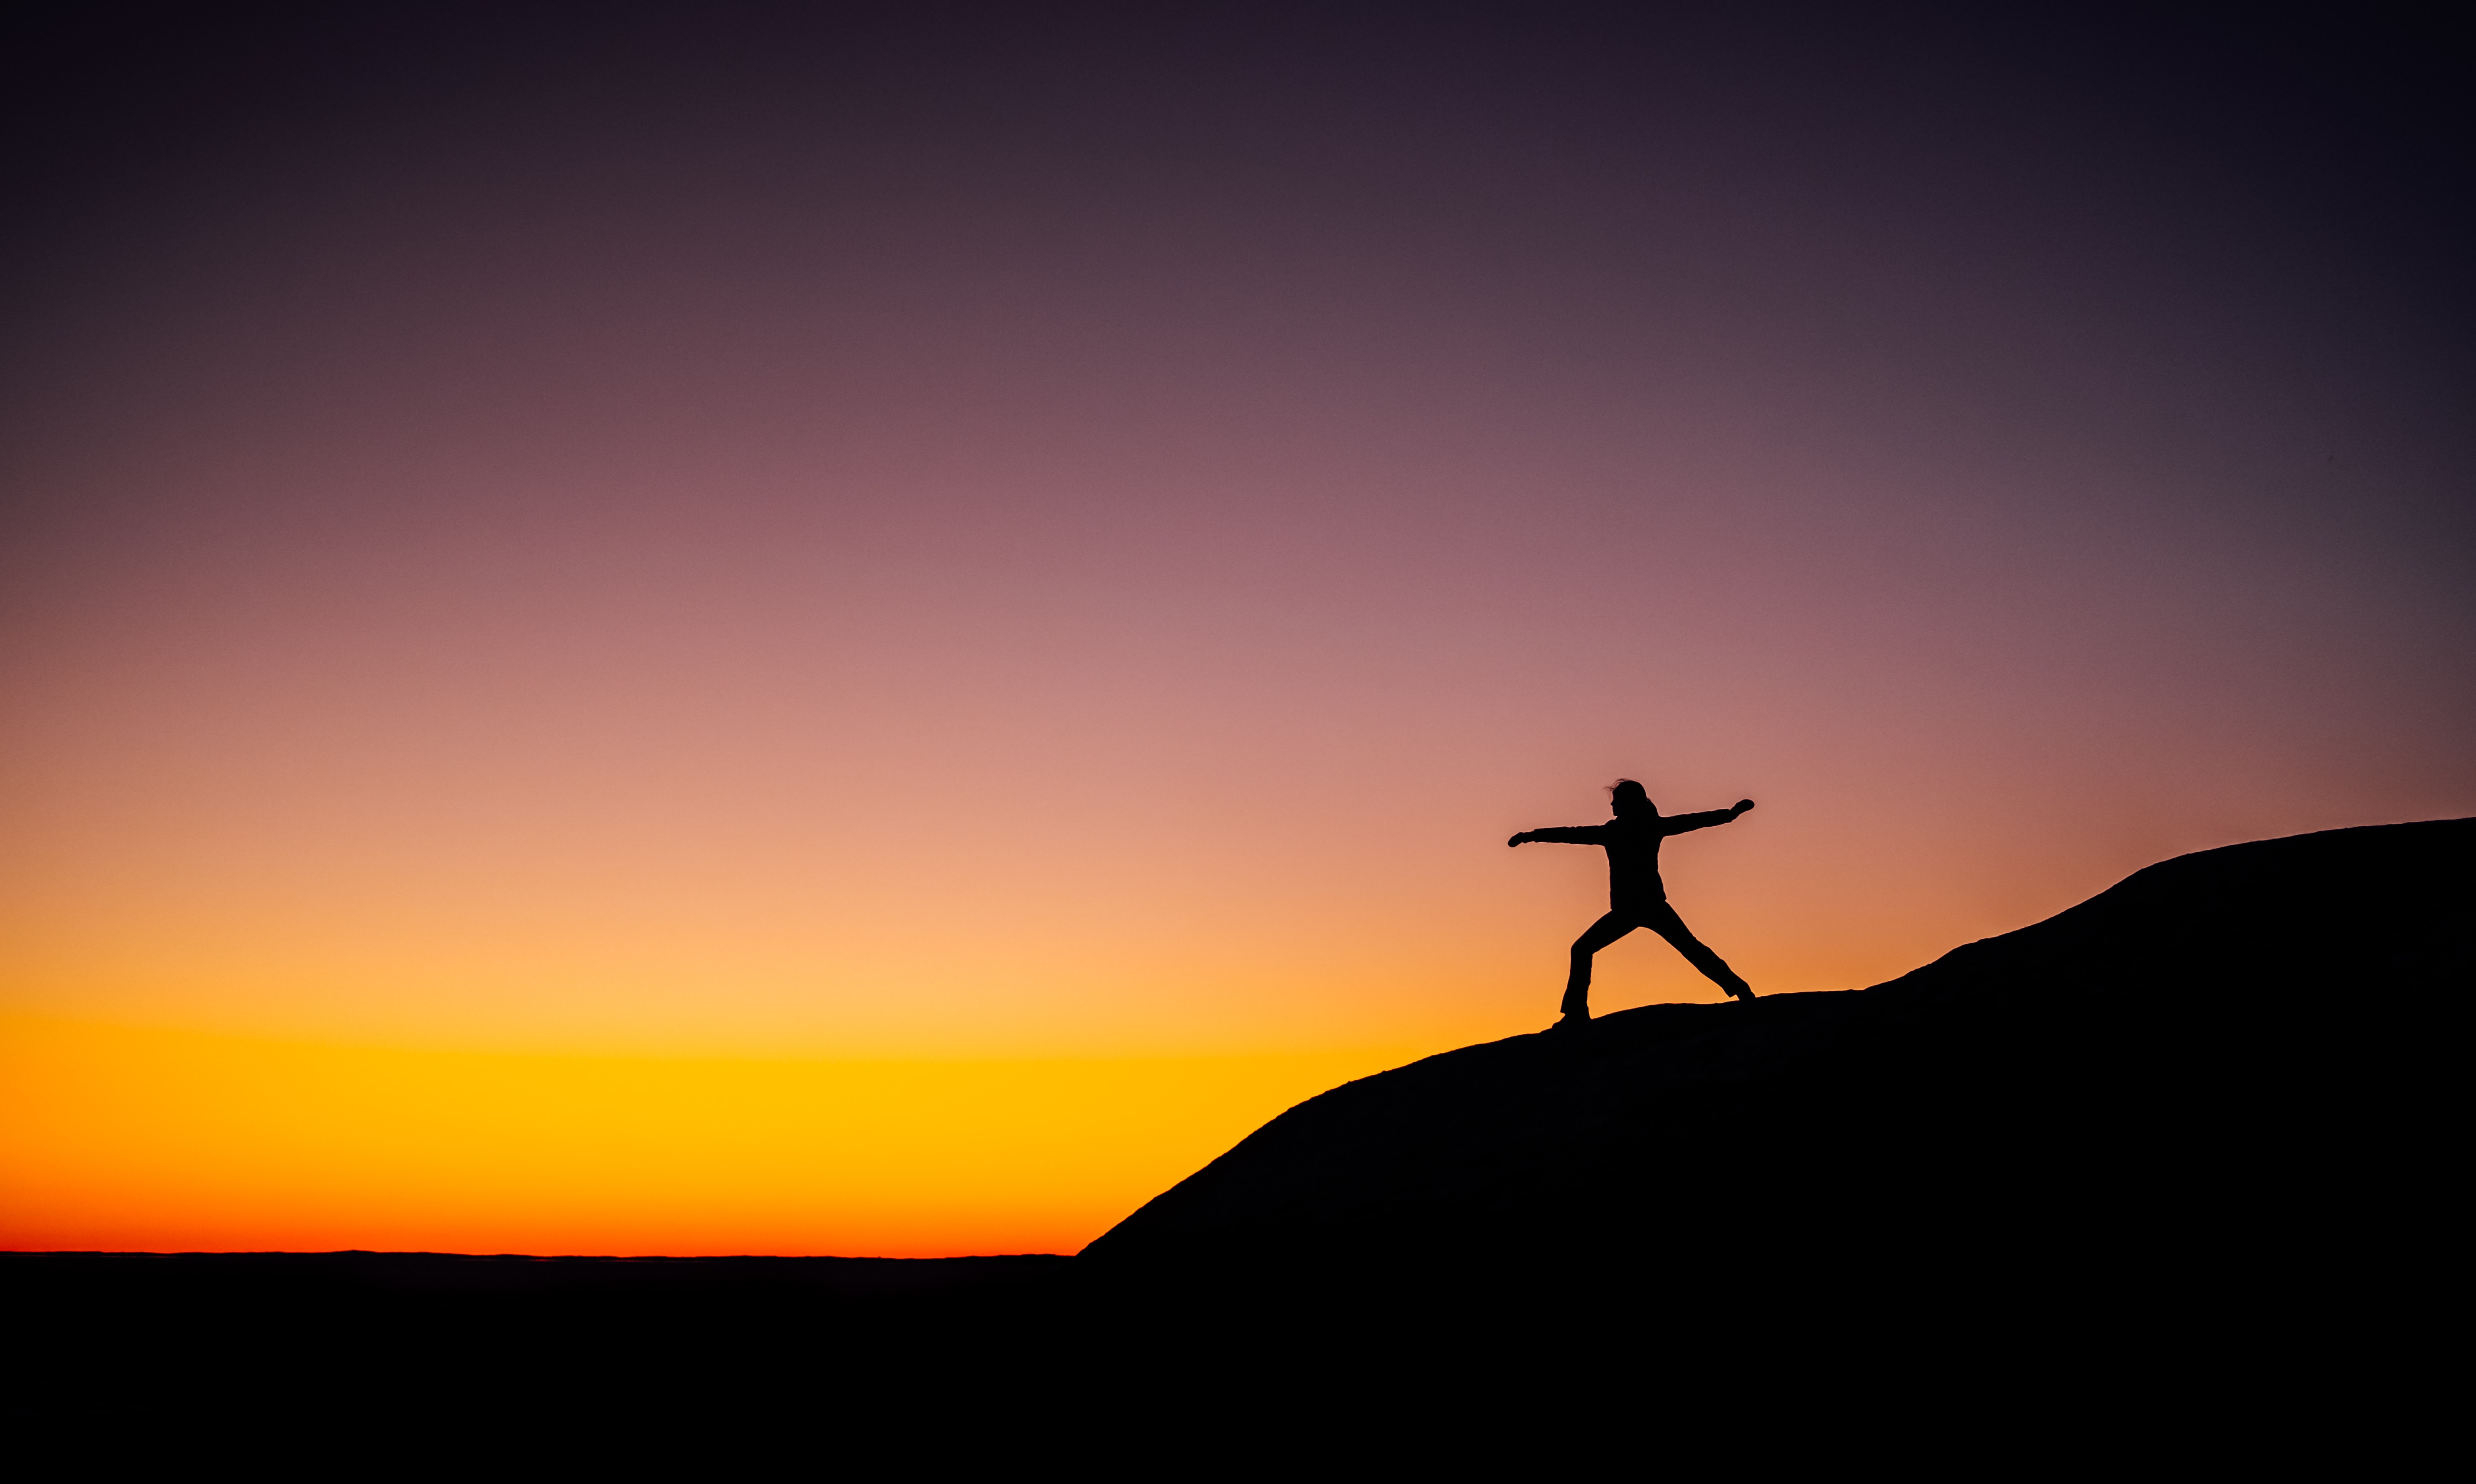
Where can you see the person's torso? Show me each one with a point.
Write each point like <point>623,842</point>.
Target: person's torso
<point>1633,860</point>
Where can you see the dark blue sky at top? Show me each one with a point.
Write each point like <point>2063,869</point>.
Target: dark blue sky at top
<point>2077,214</point>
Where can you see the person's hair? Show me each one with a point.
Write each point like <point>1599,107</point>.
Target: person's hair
<point>1627,788</point>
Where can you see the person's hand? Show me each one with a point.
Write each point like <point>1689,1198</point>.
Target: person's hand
<point>1523,838</point>
<point>1741,805</point>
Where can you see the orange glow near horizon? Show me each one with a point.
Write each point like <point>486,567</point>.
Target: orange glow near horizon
<point>161,1141</point>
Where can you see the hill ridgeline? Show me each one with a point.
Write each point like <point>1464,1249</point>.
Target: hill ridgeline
<point>2187,1047</point>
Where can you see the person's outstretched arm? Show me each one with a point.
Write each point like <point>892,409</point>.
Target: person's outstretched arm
<point>1678,823</point>
<point>1578,834</point>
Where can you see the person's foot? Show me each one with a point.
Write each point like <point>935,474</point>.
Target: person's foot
<point>1743,993</point>
<point>1572,1020</point>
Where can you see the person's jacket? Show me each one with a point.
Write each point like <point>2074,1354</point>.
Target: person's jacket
<point>1632,843</point>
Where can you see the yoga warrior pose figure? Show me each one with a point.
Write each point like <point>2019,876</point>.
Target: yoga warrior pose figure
<point>1636,897</point>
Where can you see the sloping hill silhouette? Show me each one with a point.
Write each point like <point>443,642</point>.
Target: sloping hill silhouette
<point>2168,1056</point>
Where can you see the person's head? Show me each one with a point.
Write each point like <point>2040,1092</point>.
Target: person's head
<point>1628,797</point>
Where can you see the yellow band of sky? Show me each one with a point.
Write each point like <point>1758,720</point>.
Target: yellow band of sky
<point>128,1139</point>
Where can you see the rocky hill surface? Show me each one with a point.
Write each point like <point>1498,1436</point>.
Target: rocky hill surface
<point>2160,1065</point>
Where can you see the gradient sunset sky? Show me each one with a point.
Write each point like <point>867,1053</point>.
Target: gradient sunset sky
<point>769,630</point>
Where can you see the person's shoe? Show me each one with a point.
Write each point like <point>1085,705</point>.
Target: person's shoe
<point>1745,996</point>
<point>1573,1020</point>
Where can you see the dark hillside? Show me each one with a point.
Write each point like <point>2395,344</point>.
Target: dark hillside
<point>2178,1050</point>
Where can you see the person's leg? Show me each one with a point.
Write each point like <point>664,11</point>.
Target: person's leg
<point>1664,921</point>
<point>1577,984</point>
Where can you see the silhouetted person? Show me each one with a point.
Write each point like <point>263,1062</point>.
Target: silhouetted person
<point>1636,896</point>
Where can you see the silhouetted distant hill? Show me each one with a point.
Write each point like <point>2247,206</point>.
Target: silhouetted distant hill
<point>2174,1057</point>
